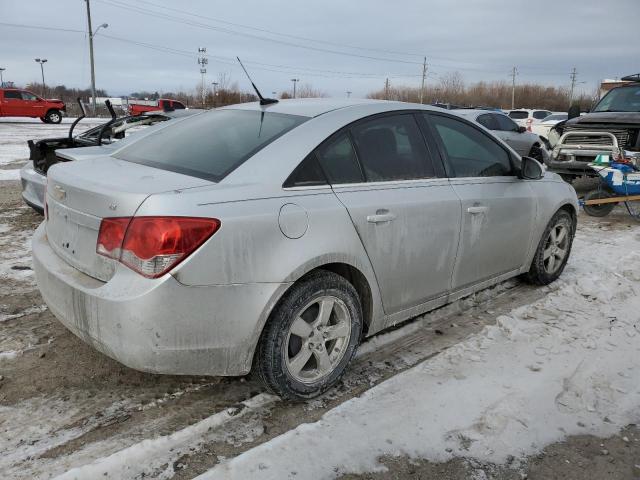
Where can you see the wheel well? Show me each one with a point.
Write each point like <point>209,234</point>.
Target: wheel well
<point>356,278</point>
<point>571,210</point>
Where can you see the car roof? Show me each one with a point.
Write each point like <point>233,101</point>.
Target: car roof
<point>313,107</point>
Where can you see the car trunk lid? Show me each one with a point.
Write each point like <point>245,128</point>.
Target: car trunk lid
<point>81,193</point>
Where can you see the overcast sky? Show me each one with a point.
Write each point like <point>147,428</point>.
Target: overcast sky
<point>336,46</point>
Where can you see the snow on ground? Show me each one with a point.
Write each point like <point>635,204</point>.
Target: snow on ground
<point>567,364</point>
<point>15,131</point>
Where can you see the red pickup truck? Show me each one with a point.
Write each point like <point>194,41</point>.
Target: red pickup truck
<point>22,103</point>
<point>165,104</point>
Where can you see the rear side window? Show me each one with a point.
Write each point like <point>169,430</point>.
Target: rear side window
<point>470,152</point>
<point>210,145</point>
<point>12,95</point>
<point>392,148</point>
<point>338,160</point>
<point>308,173</point>
<point>518,114</point>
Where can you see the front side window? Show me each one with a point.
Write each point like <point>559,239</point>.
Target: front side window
<point>392,148</point>
<point>178,105</point>
<point>487,121</point>
<point>338,160</point>
<point>540,114</point>
<point>12,95</point>
<point>210,145</point>
<point>505,124</point>
<point>470,152</point>
<point>29,96</point>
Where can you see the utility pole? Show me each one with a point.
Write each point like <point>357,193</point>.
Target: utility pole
<point>348,94</point>
<point>514,72</point>
<point>215,92</point>
<point>42,61</point>
<point>424,77</point>
<point>574,76</point>
<point>203,61</point>
<point>93,71</point>
<point>2,69</point>
<point>294,80</point>
<point>386,89</point>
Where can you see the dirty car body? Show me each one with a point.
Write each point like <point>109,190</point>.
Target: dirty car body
<point>288,190</point>
<point>49,151</point>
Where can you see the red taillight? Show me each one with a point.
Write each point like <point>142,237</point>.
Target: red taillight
<point>529,122</point>
<point>153,245</point>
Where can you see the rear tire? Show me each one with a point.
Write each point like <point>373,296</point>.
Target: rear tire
<point>53,116</point>
<point>310,337</point>
<point>553,250</point>
<point>601,210</point>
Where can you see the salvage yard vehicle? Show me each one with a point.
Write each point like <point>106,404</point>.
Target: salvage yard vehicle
<point>543,126</point>
<point>611,128</point>
<point>275,236</point>
<point>526,117</point>
<point>523,142</point>
<point>165,104</point>
<point>49,151</point>
<point>15,102</point>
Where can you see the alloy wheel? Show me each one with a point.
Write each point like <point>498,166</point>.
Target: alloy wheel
<point>317,339</point>
<point>556,248</point>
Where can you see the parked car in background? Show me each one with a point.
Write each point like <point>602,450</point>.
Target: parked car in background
<point>96,141</point>
<point>611,128</point>
<point>527,117</point>
<point>15,102</point>
<point>280,235</point>
<point>165,104</point>
<point>522,141</point>
<point>542,127</point>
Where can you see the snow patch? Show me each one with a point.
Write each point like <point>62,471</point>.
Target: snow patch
<point>564,365</point>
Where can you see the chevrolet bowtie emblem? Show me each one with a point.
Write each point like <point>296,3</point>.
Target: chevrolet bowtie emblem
<point>59,193</point>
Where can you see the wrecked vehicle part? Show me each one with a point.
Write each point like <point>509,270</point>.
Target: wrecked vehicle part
<point>611,128</point>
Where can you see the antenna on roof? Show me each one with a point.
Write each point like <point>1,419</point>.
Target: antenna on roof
<point>263,101</point>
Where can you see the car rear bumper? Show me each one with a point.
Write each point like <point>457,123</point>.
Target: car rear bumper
<point>33,187</point>
<point>156,325</point>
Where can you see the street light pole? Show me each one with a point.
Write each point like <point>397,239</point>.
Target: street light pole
<point>294,80</point>
<point>93,71</point>
<point>348,94</point>
<point>215,92</point>
<point>2,69</point>
<point>42,61</point>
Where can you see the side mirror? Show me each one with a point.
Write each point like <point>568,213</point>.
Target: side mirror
<point>531,169</point>
<point>521,129</point>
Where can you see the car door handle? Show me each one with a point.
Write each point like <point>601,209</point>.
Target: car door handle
<point>381,216</point>
<point>477,209</point>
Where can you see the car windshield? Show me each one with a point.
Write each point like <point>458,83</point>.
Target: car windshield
<point>518,114</point>
<point>211,145</point>
<point>623,99</point>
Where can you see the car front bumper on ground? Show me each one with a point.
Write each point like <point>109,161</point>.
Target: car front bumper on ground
<point>33,187</point>
<point>159,325</point>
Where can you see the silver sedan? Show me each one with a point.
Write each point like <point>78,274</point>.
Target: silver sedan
<point>519,138</point>
<point>278,237</point>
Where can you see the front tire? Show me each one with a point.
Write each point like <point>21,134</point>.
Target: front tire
<point>310,337</point>
<point>553,250</point>
<point>53,116</point>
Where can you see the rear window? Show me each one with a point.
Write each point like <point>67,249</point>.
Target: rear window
<point>519,115</point>
<point>211,145</point>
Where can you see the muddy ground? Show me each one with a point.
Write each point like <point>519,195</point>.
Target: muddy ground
<point>62,404</point>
